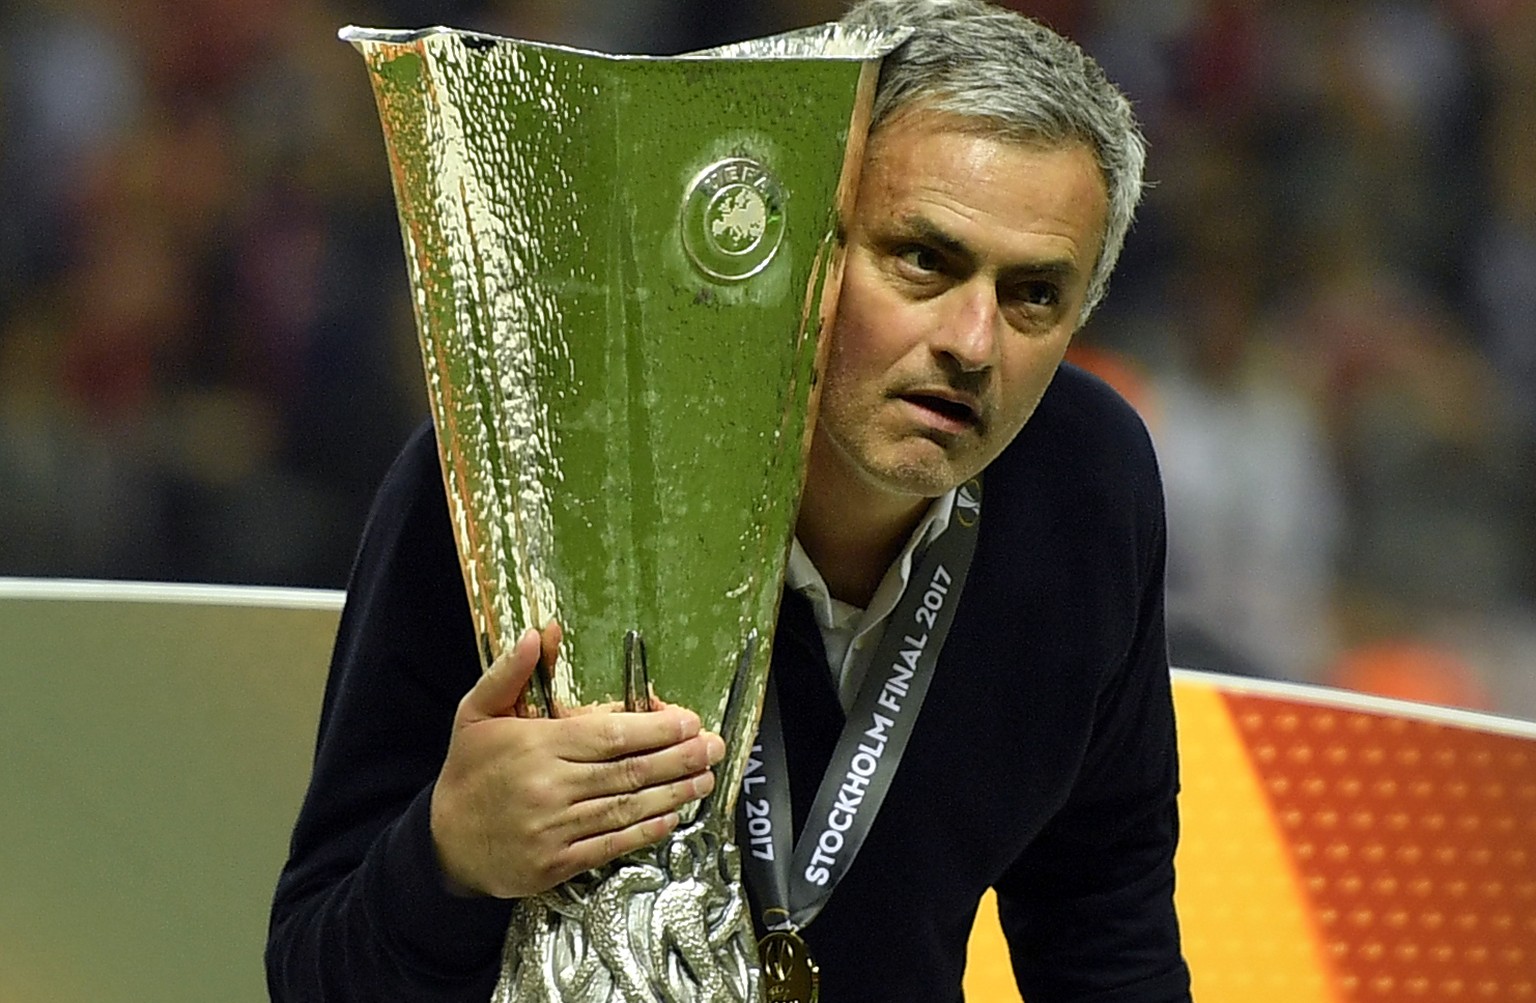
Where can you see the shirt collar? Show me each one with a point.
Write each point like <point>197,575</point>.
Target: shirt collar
<point>802,575</point>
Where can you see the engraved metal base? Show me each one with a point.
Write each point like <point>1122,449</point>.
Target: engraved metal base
<point>667,924</point>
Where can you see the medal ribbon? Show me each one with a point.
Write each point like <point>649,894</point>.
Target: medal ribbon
<point>793,885</point>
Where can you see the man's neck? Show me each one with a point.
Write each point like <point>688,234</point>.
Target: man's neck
<point>852,532</point>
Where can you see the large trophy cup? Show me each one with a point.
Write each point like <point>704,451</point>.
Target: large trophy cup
<point>621,267</point>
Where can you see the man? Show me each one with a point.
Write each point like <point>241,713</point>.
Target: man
<point>1000,179</point>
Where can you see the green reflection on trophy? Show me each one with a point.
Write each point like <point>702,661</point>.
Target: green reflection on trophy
<point>621,267</point>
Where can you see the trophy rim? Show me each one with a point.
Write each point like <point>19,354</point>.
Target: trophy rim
<point>842,44</point>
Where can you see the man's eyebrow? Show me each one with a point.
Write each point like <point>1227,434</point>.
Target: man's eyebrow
<point>921,228</point>
<point>1060,270</point>
<point>917,227</point>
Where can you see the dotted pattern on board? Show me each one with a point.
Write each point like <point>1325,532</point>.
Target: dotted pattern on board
<point>1248,931</point>
<point>1415,843</point>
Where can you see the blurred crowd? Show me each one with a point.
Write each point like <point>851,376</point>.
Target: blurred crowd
<point>1326,313</point>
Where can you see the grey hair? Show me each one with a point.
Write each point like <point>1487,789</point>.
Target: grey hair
<point>1017,79</point>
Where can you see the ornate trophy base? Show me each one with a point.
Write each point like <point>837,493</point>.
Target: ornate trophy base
<point>668,924</point>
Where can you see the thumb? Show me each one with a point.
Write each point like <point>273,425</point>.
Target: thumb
<point>495,694</point>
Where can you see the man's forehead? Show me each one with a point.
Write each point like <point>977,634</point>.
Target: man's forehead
<point>900,137</point>
<point>923,114</point>
<point>919,118</point>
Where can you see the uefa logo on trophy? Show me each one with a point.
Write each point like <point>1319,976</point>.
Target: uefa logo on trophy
<point>733,219</point>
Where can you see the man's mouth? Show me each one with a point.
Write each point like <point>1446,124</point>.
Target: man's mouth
<point>954,413</point>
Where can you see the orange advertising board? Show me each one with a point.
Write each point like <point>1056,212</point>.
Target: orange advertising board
<point>1339,848</point>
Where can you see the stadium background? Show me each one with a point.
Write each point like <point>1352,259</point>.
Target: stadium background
<point>1325,311</point>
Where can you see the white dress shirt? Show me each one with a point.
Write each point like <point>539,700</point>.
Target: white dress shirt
<point>850,634</point>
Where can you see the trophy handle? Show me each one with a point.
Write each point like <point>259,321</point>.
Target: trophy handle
<point>637,680</point>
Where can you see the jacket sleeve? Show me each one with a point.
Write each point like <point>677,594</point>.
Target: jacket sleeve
<point>361,911</point>
<point>1088,908</point>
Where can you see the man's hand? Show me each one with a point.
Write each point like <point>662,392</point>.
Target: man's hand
<point>522,804</point>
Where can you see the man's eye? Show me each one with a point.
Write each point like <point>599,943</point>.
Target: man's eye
<point>1043,294</point>
<point>922,259</point>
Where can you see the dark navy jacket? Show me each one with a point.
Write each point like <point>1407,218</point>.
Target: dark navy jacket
<point>1042,764</point>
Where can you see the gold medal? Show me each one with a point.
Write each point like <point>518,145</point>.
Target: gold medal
<point>789,974</point>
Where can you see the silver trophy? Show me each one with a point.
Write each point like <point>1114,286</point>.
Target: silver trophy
<point>621,267</point>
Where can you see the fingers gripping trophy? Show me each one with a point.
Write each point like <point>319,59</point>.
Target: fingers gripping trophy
<point>620,269</point>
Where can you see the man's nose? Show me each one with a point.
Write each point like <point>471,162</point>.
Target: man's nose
<point>969,330</point>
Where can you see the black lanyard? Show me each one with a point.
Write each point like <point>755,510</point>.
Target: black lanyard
<point>793,885</point>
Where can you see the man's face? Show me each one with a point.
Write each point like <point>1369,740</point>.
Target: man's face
<point>968,262</point>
